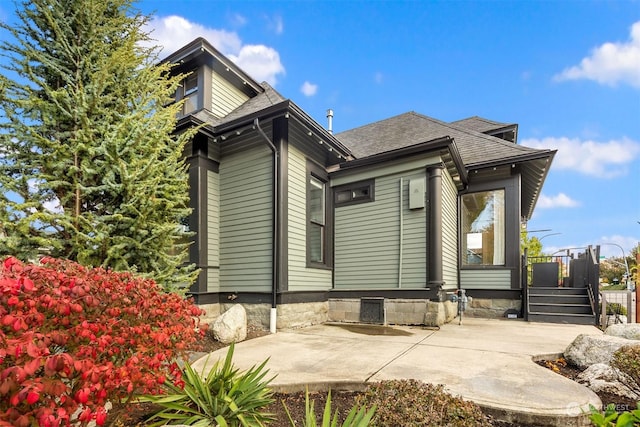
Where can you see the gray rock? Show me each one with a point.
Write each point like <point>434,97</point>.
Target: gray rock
<point>587,350</point>
<point>630,331</point>
<point>231,326</point>
<point>604,378</point>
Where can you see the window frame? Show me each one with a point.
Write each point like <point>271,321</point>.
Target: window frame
<point>464,244</point>
<point>369,184</point>
<point>318,173</point>
<point>191,94</point>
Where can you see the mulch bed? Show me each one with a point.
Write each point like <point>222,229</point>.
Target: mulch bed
<point>562,367</point>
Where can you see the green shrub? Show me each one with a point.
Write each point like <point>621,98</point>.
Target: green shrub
<point>616,308</point>
<point>627,359</point>
<point>610,418</point>
<point>357,416</point>
<point>411,402</point>
<point>224,397</point>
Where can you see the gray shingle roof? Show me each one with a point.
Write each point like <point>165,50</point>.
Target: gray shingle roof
<point>480,124</point>
<point>477,150</point>
<point>259,102</point>
<point>412,128</point>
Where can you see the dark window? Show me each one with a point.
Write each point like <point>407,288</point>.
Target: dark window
<point>351,194</point>
<point>190,93</point>
<point>319,218</point>
<point>316,214</point>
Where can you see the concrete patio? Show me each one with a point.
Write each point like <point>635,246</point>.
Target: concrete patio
<point>488,361</point>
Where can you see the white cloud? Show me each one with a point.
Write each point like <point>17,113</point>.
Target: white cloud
<point>601,159</point>
<point>610,245</point>
<point>610,63</point>
<point>237,20</point>
<point>173,32</point>
<point>560,200</point>
<point>259,61</point>
<point>309,89</point>
<point>275,24</point>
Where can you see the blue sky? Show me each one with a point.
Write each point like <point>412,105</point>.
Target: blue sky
<point>568,72</point>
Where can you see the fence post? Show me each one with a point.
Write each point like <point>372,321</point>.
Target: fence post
<point>603,311</point>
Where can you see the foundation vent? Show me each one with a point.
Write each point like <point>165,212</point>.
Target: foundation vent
<point>372,310</point>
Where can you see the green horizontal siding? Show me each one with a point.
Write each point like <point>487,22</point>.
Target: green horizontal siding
<point>301,278</point>
<point>485,279</point>
<point>213,231</point>
<point>224,96</point>
<point>449,231</point>
<point>246,212</point>
<point>367,239</point>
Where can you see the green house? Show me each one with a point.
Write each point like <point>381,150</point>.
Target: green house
<point>377,224</point>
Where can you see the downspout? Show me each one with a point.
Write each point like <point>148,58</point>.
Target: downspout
<point>276,166</point>
<point>435,229</point>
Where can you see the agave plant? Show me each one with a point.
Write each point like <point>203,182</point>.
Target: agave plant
<point>223,397</point>
<point>357,416</point>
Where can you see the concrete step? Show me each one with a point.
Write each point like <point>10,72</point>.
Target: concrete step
<point>538,290</point>
<point>560,308</point>
<point>559,299</point>
<point>577,319</point>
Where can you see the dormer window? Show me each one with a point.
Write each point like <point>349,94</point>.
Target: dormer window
<point>190,93</point>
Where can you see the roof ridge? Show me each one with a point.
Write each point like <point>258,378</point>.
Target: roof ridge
<point>377,122</point>
<point>476,133</point>
<point>268,88</point>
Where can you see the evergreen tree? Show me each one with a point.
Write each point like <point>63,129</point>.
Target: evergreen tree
<point>89,168</point>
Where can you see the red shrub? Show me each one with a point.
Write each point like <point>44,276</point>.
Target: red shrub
<point>72,338</point>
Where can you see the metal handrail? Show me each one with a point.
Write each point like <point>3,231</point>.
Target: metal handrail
<point>592,298</point>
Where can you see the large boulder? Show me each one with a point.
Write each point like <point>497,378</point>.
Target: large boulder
<point>604,378</point>
<point>630,331</point>
<point>231,326</point>
<point>587,350</point>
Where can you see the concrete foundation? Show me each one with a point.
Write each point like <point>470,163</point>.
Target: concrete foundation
<point>491,308</point>
<point>347,310</point>
<point>397,311</point>
<point>212,311</point>
<point>289,316</point>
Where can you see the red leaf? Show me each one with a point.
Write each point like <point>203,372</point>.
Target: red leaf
<point>22,421</point>
<point>32,397</point>
<point>33,350</point>
<point>27,284</point>
<point>101,417</point>
<point>82,396</point>
<point>15,400</point>
<point>32,366</point>
<point>10,262</point>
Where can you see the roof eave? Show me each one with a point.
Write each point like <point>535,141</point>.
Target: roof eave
<point>444,146</point>
<point>528,163</point>
<point>201,46</point>
<point>288,109</point>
